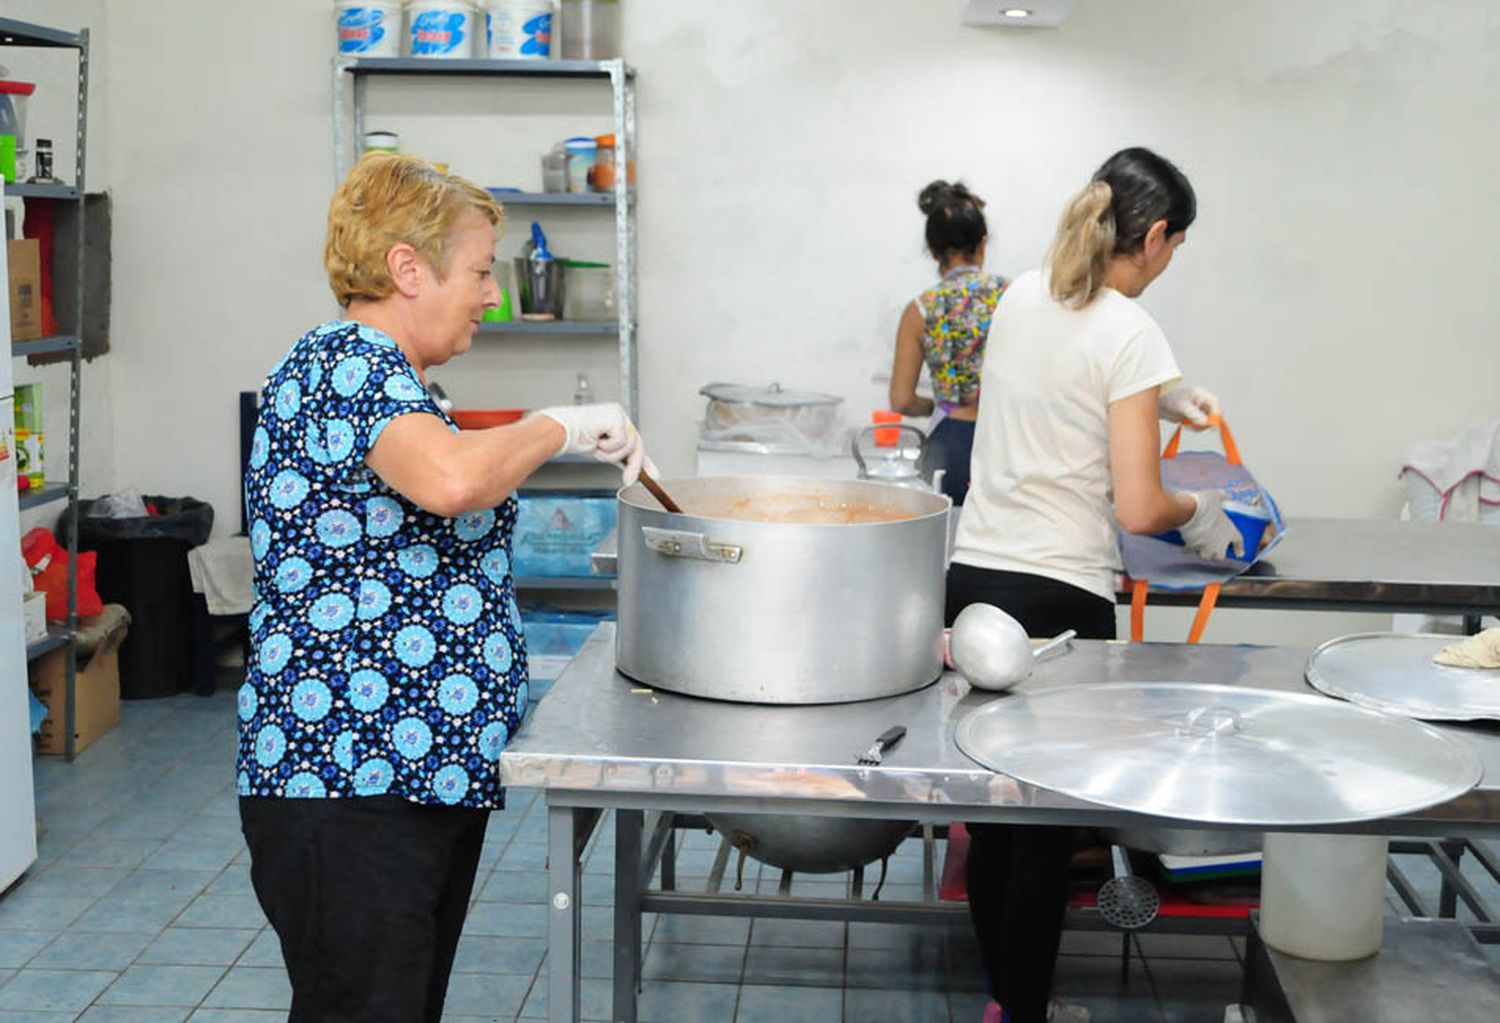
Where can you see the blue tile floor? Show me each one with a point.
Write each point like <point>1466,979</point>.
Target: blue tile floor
<point>139,910</point>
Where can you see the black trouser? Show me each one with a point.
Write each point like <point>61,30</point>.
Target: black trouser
<point>1018,874</point>
<point>368,897</point>
<point>948,447</point>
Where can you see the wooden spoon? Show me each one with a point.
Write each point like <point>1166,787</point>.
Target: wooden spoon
<point>660,494</point>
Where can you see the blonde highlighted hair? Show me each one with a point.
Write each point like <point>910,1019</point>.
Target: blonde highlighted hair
<point>389,199</point>
<point>1085,241</point>
<point>1133,190</point>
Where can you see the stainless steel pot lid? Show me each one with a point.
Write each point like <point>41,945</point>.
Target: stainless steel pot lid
<point>1394,672</point>
<point>1219,754</point>
<point>774,396</point>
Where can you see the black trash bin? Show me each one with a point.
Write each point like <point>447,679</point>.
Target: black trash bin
<point>143,565</point>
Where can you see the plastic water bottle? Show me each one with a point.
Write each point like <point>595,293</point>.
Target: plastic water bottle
<point>583,393</point>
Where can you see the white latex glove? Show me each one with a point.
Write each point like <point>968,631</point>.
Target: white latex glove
<point>1190,405</point>
<point>1209,533</point>
<point>604,431</point>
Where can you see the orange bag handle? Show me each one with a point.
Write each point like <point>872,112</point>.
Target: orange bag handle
<point>1231,449</point>
<point>1205,608</point>
<point>1139,588</point>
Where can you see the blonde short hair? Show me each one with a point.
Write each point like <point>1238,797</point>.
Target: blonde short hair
<point>389,199</point>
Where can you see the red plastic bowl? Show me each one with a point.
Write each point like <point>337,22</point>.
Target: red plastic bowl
<point>484,418</point>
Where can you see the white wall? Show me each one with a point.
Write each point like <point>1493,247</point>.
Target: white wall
<point>1334,290</point>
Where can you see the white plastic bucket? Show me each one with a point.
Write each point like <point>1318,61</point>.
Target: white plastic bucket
<point>441,29</point>
<point>519,29</point>
<point>1323,896</point>
<point>368,28</point>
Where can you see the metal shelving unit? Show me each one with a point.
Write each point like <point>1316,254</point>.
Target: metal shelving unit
<point>349,81</point>
<point>19,33</point>
<point>552,198</point>
<point>349,92</point>
<point>552,328</point>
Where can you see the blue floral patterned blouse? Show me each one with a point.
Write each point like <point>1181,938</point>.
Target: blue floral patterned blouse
<point>387,653</point>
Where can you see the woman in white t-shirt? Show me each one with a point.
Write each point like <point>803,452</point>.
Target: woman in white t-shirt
<point>1075,377</point>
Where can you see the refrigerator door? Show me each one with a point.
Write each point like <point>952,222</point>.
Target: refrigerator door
<point>17,796</point>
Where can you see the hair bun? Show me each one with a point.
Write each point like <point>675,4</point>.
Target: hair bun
<point>940,195</point>
<point>935,196</point>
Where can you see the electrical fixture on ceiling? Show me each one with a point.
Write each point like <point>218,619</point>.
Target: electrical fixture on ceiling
<point>1017,13</point>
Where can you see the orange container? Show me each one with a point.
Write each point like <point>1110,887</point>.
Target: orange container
<point>602,178</point>
<point>886,438</point>
<point>484,418</point>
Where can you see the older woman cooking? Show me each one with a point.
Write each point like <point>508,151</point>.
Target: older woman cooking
<point>388,664</point>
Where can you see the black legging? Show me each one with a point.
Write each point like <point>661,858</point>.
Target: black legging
<point>949,447</point>
<point>1018,873</point>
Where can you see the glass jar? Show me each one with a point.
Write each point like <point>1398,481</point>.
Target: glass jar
<point>555,170</point>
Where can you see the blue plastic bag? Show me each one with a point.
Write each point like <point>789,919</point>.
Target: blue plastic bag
<point>1162,562</point>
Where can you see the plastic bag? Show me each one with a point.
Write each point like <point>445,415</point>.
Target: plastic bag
<point>127,504</point>
<point>1161,562</point>
<point>181,518</point>
<point>48,561</point>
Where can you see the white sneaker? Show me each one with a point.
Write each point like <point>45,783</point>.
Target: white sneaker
<point>1066,1012</point>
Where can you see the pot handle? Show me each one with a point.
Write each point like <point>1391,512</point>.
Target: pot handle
<point>679,543</point>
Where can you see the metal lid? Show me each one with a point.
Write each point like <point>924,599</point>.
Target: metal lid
<point>774,395</point>
<point>1219,754</point>
<point>1395,672</point>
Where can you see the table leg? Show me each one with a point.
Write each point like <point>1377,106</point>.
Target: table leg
<point>564,930</point>
<point>628,881</point>
<point>1453,849</point>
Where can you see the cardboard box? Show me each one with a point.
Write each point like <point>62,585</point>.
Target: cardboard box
<point>25,258</point>
<point>96,691</point>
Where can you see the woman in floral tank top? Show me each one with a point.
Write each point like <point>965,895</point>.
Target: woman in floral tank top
<point>945,327</point>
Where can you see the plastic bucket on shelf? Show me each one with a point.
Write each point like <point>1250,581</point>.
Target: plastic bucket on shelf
<point>441,29</point>
<point>368,28</point>
<point>518,29</point>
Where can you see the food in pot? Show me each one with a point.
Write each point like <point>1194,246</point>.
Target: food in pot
<point>807,509</point>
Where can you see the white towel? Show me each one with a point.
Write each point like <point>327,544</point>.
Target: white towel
<point>223,571</point>
<point>1463,473</point>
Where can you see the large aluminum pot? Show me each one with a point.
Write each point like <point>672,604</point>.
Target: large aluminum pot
<point>812,845</point>
<point>716,605</point>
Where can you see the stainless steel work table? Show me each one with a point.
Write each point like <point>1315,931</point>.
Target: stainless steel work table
<point>1367,565</point>
<point>598,742</point>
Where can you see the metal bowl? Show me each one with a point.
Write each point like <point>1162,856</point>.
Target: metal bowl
<point>811,845</point>
<point>1185,841</point>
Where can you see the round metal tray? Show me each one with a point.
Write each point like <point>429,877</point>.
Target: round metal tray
<point>1219,754</point>
<point>1394,672</point>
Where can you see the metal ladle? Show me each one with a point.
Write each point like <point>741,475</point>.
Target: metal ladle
<point>1127,901</point>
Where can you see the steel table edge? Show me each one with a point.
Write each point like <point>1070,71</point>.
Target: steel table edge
<point>1460,820</point>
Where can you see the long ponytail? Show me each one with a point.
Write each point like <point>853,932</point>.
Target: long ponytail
<point>1085,240</point>
<point>1111,217</point>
